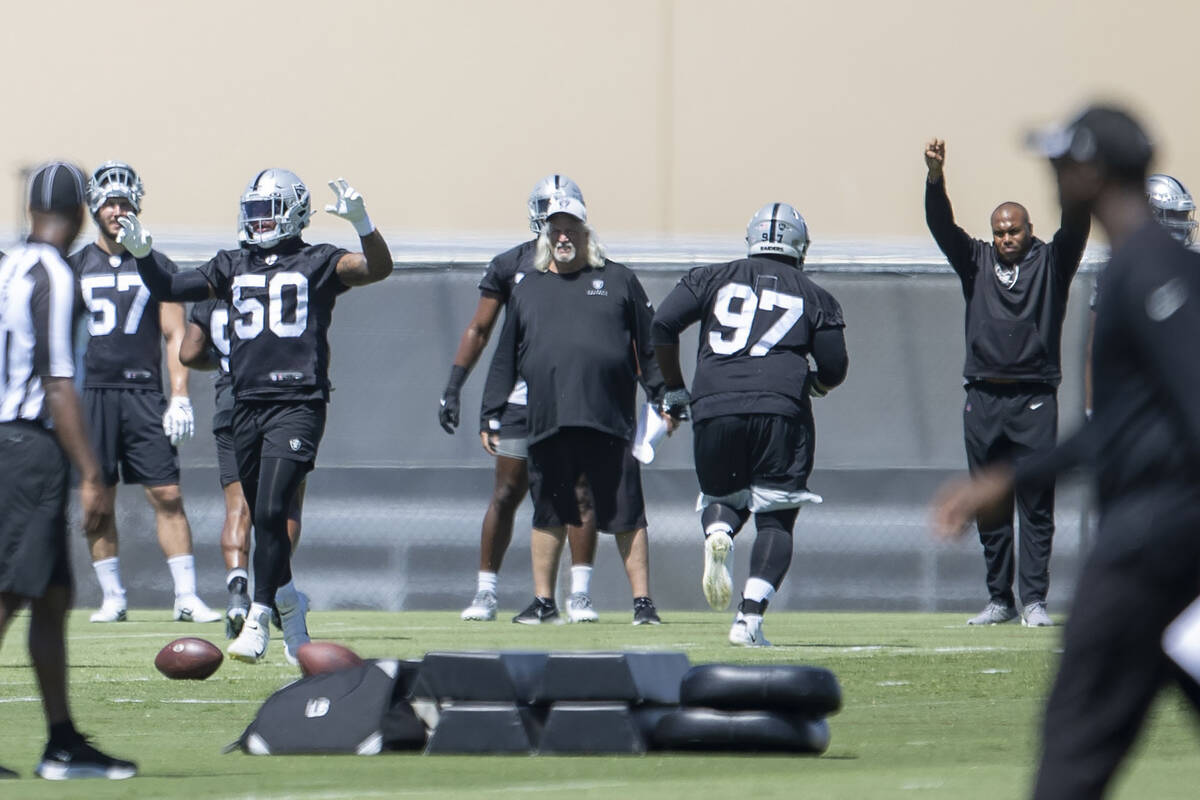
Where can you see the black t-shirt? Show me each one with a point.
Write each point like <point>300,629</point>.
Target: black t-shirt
<point>758,317</point>
<point>281,303</point>
<point>124,349</point>
<point>1145,427</point>
<point>578,341</point>
<point>213,318</point>
<point>507,270</point>
<point>1015,313</point>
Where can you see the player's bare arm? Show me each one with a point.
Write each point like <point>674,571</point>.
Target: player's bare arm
<point>935,159</point>
<point>470,346</point>
<point>961,500</point>
<point>374,263</point>
<point>194,350</point>
<point>65,410</point>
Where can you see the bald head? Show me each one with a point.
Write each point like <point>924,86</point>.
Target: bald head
<point>1012,232</point>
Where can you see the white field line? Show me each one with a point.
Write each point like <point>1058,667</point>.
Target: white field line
<point>432,791</point>
<point>20,699</point>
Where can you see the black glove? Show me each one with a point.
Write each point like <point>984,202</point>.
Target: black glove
<point>675,403</point>
<point>448,411</point>
<point>815,387</point>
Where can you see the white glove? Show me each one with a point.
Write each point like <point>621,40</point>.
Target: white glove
<point>178,422</point>
<point>137,240</point>
<point>350,207</point>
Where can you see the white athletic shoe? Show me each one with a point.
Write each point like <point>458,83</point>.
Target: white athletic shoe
<point>747,631</point>
<point>994,614</point>
<point>718,564</point>
<point>109,611</point>
<point>191,608</point>
<point>579,608</point>
<point>1035,616</point>
<point>295,628</point>
<point>251,643</point>
<point>483,607</point>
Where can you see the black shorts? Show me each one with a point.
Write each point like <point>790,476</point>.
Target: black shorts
<point>227,469</point>
<point>34,484</point>
<point>127,433</point>
<point>282,429</point>
<point>755,461</point>
<point>614,475</point>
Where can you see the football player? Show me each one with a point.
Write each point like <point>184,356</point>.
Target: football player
<point>281,291</point>
<point>577,331</point>
<point>206,346</point>
<point>761,319</point>
<point>511,427</point>
<point>133,428</point>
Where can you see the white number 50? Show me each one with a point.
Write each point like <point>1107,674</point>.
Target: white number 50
<point>741,321</point>
<point>251,321</point>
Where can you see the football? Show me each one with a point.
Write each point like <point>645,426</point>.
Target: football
<point>189,658</point>
<point>317,658</point>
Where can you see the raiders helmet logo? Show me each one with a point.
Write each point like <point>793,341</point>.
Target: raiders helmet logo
<point>564,202</point>
<point>520,276</point>
<point>271,259</point>
<point>114,262</point>
<point>597,284</point>
<point>1007,275</point>
<point>294,444</point>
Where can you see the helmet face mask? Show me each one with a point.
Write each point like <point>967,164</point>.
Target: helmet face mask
<point>1172,206</point>
<point>778,229</point>
<point>547,189</point>
<point>275,206</point>
<point>114,179</point>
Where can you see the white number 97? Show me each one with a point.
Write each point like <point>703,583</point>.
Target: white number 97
<point>741,321</point>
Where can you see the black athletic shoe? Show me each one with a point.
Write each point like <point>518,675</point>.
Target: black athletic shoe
<point>542,609</point>
<point>644,612</point>
<point>81,760</point>
<point>7,773</point>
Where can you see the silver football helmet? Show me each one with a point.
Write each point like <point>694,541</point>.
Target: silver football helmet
<point>777,228</point>
<point>114,179</point>
<point>1172,205</point>
<point>545,190</point>
<point>273,195</point>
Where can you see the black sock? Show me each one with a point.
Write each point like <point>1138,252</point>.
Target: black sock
<point>237,585</point>
<point>63,734</point>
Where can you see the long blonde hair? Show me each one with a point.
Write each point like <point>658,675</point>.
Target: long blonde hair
<point>595,251</point>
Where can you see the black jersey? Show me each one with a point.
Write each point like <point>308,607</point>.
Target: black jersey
<point>1145,427</point>
<point>124,349</point>
<point>580,341</point>
<point>507,270</point>
<point>759,317</point>
<point>213,317</point>
<point>281,302</point>
<point>1014,313</point>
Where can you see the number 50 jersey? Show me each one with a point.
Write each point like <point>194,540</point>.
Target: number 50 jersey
<point>758,316</point>
<point>280,304</point>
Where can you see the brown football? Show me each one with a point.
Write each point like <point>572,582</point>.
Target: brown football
<point>189,658</point>
<point>317,658</point>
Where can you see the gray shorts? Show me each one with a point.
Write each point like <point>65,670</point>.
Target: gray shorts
<point>513,448</point>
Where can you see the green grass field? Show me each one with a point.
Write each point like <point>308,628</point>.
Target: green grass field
<point>933,709</point>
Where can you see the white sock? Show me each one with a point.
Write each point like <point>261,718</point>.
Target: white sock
<point>486,582</point>
<point>581,578</point>
<point>236,572</point>
<point>183,570</point>
<point>723,527</point>
<point>259,613</point>
<point>286,597</point>
<point>109,575</point>
<point>758,590</point>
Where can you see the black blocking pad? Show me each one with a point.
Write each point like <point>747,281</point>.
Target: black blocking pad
<point>757,731</point>
<point>500,677</point>
<point>812,691</point>
<point>599,728</point>
<point>636,678</point>
<point>485,728</point>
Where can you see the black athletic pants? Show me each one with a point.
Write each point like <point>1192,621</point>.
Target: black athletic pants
<point>1004,422</point>
<point>1144,570</point>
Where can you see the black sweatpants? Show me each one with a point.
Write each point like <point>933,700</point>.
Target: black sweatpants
<point>1004,422</point>
<point>1143,571</point>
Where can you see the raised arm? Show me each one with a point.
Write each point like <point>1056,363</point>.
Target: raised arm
<point>953,241</point>
<point>164,285</point>
<point>374,263</point>
<point>1069,243</point>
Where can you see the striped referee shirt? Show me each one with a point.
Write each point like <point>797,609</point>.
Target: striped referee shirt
<point>37,302</point>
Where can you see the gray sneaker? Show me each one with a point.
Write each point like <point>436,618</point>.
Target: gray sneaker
<point>579,608</point>
<point>993,614</point>
<point>1035,616</point>
<point>483,607</point>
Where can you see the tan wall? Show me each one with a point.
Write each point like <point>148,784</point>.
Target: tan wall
<point>675,116</point>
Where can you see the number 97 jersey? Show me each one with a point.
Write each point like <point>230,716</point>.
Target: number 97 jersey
<point>280,305</point>
<point>758,316</point>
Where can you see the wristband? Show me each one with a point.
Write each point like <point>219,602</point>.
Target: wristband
<point>364,226</point>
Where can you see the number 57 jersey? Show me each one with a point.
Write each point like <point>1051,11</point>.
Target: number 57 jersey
<point>280,305</point>
<point>757,319</point>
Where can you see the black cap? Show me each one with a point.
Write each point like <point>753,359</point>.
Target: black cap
<point>57,186</point>
<point>1103,135</point>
